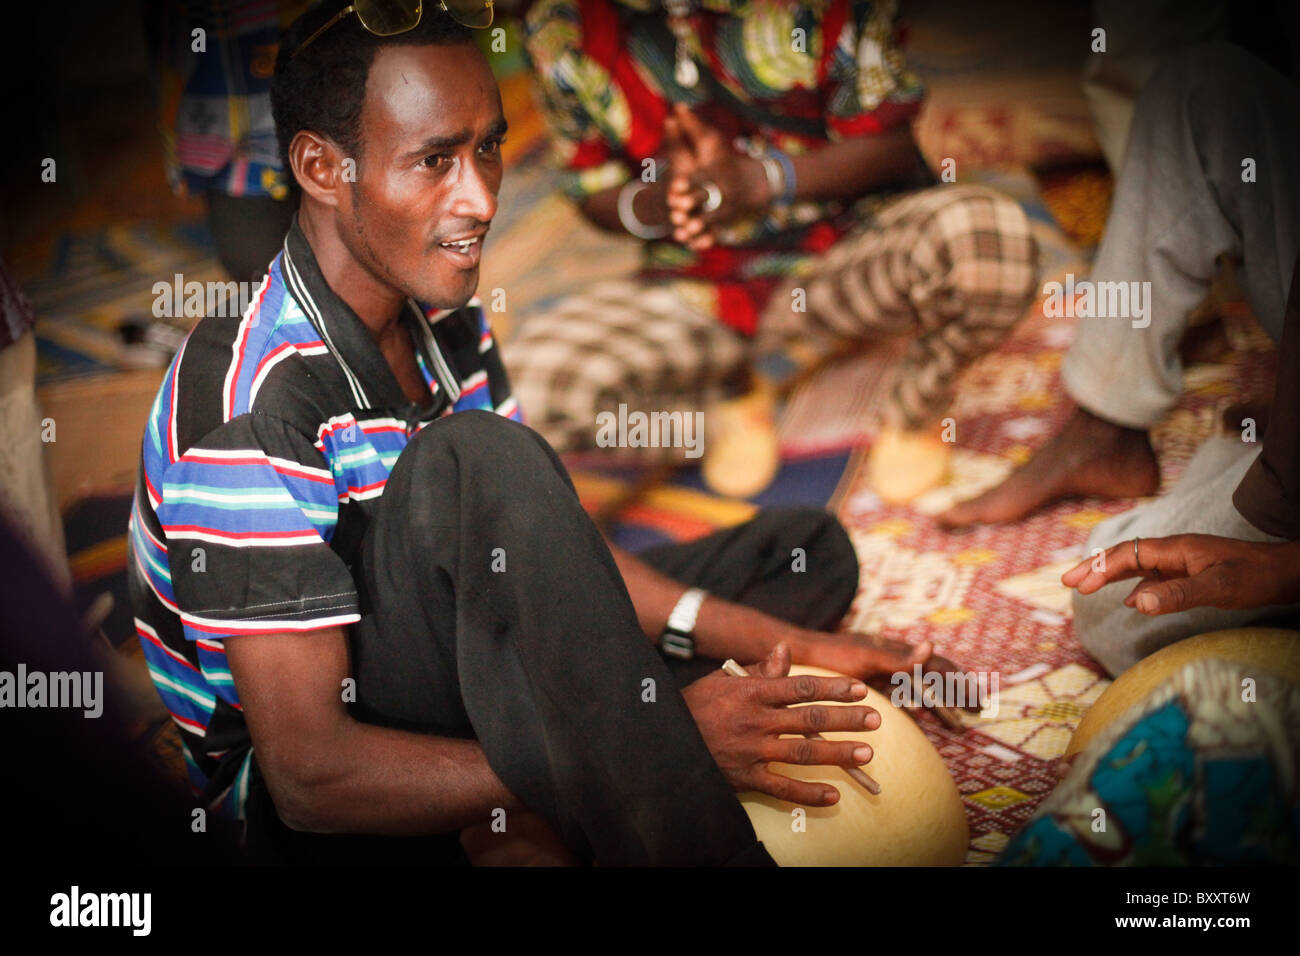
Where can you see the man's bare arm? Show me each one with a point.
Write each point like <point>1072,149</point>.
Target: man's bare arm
<point>722,629</point>
<point>726,629</point>
<point>330,774</point>
<point>327,772</point>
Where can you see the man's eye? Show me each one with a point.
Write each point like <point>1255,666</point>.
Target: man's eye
<point>492,145</point>
<point>434,160</point>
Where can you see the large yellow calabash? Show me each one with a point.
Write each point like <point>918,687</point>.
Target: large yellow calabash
<point>1274,650</point>
<point>917,819</point>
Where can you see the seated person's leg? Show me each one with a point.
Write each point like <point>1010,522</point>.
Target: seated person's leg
<point>623,341</point>
<point>954,267</point>
<point>1180,202</point>
<point>496,610</point>
<point>796,564</point>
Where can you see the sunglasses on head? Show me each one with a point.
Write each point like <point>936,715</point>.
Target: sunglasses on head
<point>386,18</point>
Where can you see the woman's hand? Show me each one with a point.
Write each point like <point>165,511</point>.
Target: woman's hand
<point>700,157</point>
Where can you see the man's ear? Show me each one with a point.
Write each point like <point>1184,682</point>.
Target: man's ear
<point>318,166</point>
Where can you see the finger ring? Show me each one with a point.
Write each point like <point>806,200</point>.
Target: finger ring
<point>1137,558</point>
<point>713,197</point>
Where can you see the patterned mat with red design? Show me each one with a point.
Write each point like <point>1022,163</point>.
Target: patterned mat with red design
<point>990,598</point>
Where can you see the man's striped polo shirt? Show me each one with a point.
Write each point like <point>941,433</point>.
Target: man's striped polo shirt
<point>265,456</point>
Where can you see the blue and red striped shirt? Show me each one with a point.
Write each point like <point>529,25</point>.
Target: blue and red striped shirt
<point>266,451</point>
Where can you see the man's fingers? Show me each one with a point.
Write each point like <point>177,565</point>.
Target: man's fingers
<point>831,753</point>
<point>891,656</point>
<point>690,199</point>
<point>795,791</point>
<point>945,666</point>
<point>1094,573</point>
<point>818,719</point>
<point>1077,573</point>
<point>679,182</point>
<point>803,688</point>
<point>680,209</point>
<point>1207,589</point>
<point>681,195</point>
<point>776,664</point>
<point>1166,555</point>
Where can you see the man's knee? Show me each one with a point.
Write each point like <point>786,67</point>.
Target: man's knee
<point>472,440</point>
<point>819,545</point>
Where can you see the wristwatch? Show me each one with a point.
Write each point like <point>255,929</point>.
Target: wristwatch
<point>678,638</point>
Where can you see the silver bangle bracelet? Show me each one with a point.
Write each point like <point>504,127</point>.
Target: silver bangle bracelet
<point>627,214</point>
<point>775,178</point>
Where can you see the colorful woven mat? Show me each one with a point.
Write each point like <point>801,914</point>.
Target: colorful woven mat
<point>990,598</point>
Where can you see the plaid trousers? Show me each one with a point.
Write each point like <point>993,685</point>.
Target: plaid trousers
<point>953,266</point>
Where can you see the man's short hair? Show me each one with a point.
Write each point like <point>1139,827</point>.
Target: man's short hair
<point>322,89</point>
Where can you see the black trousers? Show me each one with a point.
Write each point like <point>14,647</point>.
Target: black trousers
<point>493,609</point>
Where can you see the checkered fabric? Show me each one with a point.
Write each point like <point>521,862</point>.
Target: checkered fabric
<point>953,266</point>
<point>652,344</point>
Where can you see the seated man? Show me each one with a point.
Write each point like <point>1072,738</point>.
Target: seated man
<point>370,597</point>
<point>763,151</point>
<point>1196,572</point>
<point>1206,173</point>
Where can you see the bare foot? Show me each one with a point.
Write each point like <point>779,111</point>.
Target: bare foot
<point>903,465</point>
<point>742,455</point>
<point>1088,457</point>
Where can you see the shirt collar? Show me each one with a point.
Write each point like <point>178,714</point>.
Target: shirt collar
<point>349,340</point>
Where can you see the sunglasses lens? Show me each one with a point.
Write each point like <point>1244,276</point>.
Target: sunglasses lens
<point>475,14</point>
<point>385,18</point>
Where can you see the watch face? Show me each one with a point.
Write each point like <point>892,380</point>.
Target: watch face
<point>677,644</point>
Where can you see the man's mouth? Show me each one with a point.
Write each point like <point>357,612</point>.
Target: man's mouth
<point>461,245</point>
<point>464,251</point>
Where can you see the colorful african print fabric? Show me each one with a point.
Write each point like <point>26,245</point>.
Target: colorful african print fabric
<point>794,76</point>
<point>1202,772</point>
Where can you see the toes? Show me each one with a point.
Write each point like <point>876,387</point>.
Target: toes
<point>958,516</point>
